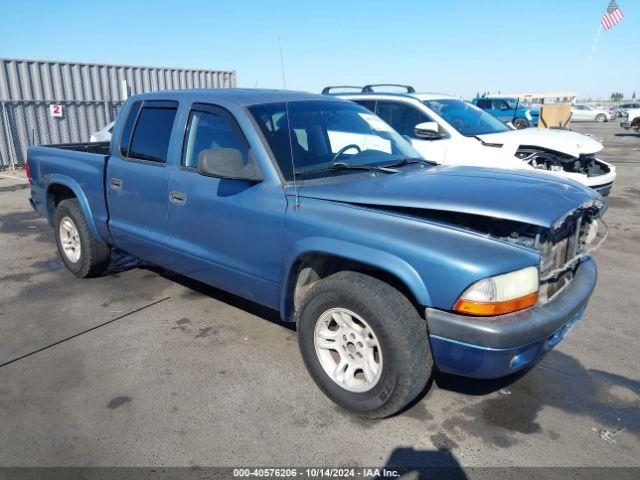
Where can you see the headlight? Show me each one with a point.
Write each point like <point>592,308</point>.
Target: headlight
<point>500,294</point>
<point>528,115</point>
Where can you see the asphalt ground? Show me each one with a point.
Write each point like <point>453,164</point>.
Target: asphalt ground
<point>144,368</point>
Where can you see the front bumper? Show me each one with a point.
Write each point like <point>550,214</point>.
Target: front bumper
<point>492,347</point>
<point>625,125</point>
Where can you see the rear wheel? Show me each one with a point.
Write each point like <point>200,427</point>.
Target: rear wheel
<point>601,117</point>
<point>521,123</point>
<point>81,252</point>
<point>364,344</point>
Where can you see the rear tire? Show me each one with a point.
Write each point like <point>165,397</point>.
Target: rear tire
<point>601,117</point>
<point>81,252</point>
<point>381,325</point>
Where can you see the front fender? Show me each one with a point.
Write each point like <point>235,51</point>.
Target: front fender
<point>351,251</point>
<point>74,186</point>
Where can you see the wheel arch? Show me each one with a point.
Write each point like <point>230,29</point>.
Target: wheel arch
<point>60,188</point>
<point>312,259</point>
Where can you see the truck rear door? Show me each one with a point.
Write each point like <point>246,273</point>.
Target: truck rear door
<point>137,181</point>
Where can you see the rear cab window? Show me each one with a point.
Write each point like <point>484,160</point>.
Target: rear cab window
<point>147,131</point>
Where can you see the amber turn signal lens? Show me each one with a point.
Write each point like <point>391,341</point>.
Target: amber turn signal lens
<point>495,308</point>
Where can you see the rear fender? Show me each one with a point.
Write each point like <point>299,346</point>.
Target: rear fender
<point>64,180</point>
<point>350,251</point>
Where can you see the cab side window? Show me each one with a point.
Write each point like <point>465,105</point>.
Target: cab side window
<point>401,116</point>
<point>147,130</point>
<point>484,104</point>
<point>211,128</point>
<point>368,104</point>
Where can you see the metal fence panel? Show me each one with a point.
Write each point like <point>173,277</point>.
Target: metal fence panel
<point>90,95</point>
<point>25,123</point>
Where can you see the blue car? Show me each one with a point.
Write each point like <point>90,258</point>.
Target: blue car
<point>390,266</point>
<point>509,110</point>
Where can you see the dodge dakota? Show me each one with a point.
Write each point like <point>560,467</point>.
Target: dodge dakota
<point>390,266</point>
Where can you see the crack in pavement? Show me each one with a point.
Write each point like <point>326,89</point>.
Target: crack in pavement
<point>75,335</point>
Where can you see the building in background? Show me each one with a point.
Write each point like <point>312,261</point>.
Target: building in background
<point>43,102</point>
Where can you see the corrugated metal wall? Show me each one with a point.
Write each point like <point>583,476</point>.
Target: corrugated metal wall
<point>89,93</point>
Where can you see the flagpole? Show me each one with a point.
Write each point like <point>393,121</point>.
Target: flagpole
<point>593,49</point>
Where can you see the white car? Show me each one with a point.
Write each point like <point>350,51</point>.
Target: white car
<point>633,120</point>
<point>104,134</point>
<point>587,113</point>
<point>447,130</point>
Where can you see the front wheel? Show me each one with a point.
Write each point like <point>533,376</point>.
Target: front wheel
<point>521,123</point>
<point>601,117</point>
<point>81,252</point>
<point>364,344</point>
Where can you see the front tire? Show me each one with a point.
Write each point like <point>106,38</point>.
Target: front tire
<point>521,123</point>
<point>81,252</point>
<point>364,344</point>
<point>601,117</point>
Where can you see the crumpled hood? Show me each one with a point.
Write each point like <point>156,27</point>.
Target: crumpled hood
<point>522,196</point>
<point>564,141</point>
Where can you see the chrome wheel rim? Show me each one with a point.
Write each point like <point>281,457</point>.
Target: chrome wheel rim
<point>348,350</point>
<point>70,239</point>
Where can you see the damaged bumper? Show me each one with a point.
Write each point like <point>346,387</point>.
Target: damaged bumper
<point>492,347</point>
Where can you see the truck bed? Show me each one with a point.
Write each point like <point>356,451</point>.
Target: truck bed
<point>100,148</point>
<point>79,167</point>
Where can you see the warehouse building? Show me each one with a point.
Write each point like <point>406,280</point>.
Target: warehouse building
<point>43,102</point>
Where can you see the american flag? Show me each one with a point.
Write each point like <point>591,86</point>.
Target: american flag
<point>612,16</point>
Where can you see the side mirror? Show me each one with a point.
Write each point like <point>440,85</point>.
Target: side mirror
<point>428,130</point>
<point>227,163</point>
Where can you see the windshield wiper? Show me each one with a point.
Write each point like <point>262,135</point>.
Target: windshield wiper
<point>408,161</point>
<point>336,166</point>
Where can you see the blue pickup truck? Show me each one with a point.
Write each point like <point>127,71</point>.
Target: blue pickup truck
<point>390,266</point>
<point>509,110</point>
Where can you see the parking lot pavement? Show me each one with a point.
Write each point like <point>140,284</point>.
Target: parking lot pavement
<point>145,368</point>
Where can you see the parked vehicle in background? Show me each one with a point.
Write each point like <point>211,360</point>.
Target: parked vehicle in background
<point>586,113</point>
<point>314,206</point>
<point>625,107</point>
<point>104,134</point>
<point>633,120</point>
<point>447,130</point>
<point>509,110</point>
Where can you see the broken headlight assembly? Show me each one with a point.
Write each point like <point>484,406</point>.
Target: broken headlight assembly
<point>542,159</point>
<point>500,294</point>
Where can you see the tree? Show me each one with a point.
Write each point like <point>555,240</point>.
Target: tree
<point>617,96</point>
<point>634,95</point>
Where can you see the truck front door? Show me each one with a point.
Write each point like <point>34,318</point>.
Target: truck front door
<point>137,181</point>
<point>224,232</point>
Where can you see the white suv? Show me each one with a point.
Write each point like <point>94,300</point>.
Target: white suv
<point>450,131</point>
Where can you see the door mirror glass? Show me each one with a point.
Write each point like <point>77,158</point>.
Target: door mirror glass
<point>428,130</point>
<point>227,163</point>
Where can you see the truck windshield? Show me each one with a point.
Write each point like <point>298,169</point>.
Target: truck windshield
<point>465,118</point>
<point>326,133</point>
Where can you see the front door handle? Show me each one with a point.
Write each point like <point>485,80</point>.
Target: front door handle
<point>178,198</point>
<point>116,184</point>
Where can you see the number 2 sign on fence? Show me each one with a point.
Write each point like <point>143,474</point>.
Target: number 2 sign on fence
<point>55,110</point>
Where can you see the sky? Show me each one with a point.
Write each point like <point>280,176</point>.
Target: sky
<point>449,46</point>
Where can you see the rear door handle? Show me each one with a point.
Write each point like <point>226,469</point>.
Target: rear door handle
<point>116,184</point>
<point>178,198</point>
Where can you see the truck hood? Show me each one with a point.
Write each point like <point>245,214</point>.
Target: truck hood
<point>521,196</point>
<point>563,141</point>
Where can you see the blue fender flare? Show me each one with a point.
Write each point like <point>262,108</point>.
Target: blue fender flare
<point>350,251</point>
<point>57,179</point>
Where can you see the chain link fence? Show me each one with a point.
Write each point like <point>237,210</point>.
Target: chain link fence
<point>30,122</point>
